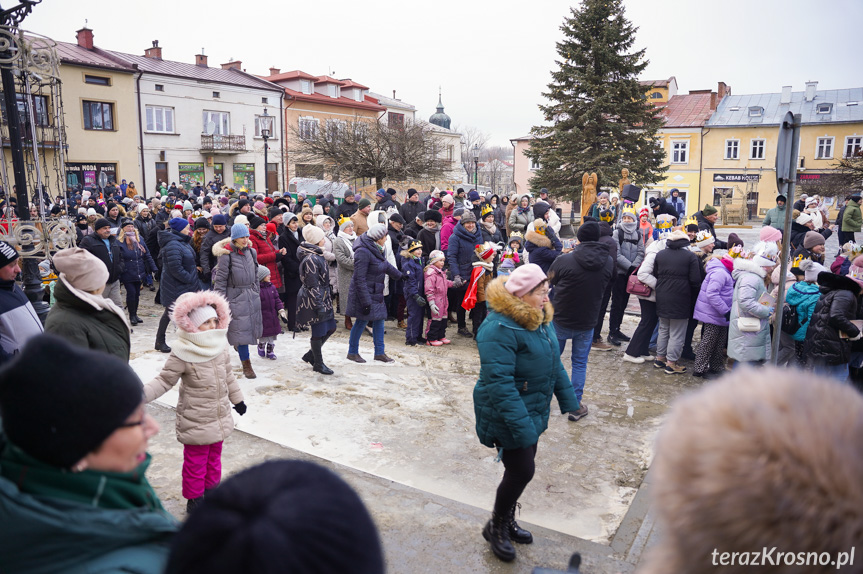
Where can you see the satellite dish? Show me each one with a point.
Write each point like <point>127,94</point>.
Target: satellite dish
<point>211,128</point>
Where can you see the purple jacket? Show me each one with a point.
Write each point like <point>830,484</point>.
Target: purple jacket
<point>714,299</point>
<point>270,305</point>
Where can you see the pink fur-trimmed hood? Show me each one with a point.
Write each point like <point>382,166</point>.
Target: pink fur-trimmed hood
<point>187,302</point>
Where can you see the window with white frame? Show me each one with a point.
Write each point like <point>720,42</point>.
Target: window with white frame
<point>258,127</point>
<point>756,149</point>
<point>160,119</point>
<point>679,152</point>
<point>221,121</point>
<point>358,95</point>
<point>333,91</point>
<point>853,145</point>
<point>824,148</point>
<point>334,129</point>
<point>534,163</point>
<point>308,128</point>
<point>732,149</point>
<point>306,86</point>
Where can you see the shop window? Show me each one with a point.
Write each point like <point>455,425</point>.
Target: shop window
<point>98,116</point>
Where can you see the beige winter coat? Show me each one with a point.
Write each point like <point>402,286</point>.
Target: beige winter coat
<point>201,359</point>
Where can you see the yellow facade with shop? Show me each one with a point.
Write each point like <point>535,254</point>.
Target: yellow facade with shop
<point>683,147</point>
<point>102,147</point>
<point>752,170</point>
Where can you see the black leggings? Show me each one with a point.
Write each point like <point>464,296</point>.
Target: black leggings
<point>133,295</point>
<point>456,296</point>
<point>289,299</point>
<point>519,468</point>
<point>164,321</point>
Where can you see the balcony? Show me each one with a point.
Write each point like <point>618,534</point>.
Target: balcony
<point>222,144</point>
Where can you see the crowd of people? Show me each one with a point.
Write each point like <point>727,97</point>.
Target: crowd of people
<point>235,270</point>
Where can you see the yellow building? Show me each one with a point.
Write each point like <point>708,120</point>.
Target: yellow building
<point>101,112</point>
<point>681,139</point>
<point>740,143</point>
<point>660,91</point>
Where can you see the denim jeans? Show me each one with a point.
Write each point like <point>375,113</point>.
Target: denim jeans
<point>357,332</point>
<point>838,372</point>
<point>581,341</point>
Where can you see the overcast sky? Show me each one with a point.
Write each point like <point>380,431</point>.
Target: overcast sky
<point>492,59</point>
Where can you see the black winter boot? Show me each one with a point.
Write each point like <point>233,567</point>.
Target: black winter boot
<point>309,357</point>
<point>319,366</point>
<point>516,532</point>
<point>193,503</point>
<point>496,531</point>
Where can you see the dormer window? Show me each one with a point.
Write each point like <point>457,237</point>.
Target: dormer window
<point>333,91</point>
<point>756,111</point>
<point>823,108</point>
<point>306,86</point>
<point>655,95</point>
<point>358,95</point>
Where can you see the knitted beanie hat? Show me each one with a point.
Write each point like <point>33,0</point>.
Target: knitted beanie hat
<point>58,414</point>
<point>312,234</point>
<point>811,239</point>
<point>201,315</point>
<point>239,230</point>
<point>178,224</point>
<point>768,233</point>
<point>376,232</point>
<point>525,278</point>
<point>262,272</point>
<point>81,269</point>
<point>436,255</point>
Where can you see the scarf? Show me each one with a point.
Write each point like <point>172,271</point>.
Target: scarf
<point>490,227</point>
<point>200,347</point>
<point>522,210</point>
<point>349,240</point>
<point>110,490</point>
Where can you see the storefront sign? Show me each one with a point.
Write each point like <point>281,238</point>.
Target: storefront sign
<point>736,177</point>
<point>812,177</point>
<point>80,175</point>
<point>244,176</point>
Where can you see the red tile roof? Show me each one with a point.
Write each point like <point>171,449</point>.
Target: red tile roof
<point>295,74</point>
<point>328,80</point>
<point>369,104</point>
<point>353,84</point>
<point>691,110</point>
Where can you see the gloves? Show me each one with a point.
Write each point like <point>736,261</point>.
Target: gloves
<point>283,315</point>
<point>367,310</point>
<point>419,301</point>
<point>858,337</point>
<point>321,313</point>
<point>458,282</point>
<point>240,407</point>
<point>434,308</point>
<point>728,316</point>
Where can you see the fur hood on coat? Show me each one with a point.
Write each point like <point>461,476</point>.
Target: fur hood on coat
<point>507,304</point>
<point>537,239</point>
<point>225,246</point>
<point>758,459</point>
<point>749,266</point>
<point>187,302</point>
<point>831,282</point>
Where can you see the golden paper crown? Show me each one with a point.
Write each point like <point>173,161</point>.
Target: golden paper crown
<point>539,226</point>
<point>629,211</point>
<point>798,260</point>
<point>703,235</point>
<point>486,209</point>
<point>690,221</point>
<point>415,245</point>
<point>343,219</point>
<point>737,251</point>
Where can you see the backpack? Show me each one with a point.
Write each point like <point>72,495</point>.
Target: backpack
<point>790,319</point>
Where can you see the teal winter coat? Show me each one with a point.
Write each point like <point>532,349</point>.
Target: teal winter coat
<point>520,369</point>
<point>803,296</point>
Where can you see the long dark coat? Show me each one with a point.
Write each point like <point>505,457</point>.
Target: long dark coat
<point>314,295</point>
<point>367,283</point>
<point>179,274</point>
<point>290,261</point>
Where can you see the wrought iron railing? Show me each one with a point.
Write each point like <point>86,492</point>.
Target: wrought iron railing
<point>223,143</point>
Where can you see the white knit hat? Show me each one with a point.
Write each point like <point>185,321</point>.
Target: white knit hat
<point>202,314</point>
<point>312,234</point>
<point>436,255</point>
<point>804,219</point>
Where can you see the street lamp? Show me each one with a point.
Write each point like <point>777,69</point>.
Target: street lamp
<point>266,122</point>
<point>476,167</point>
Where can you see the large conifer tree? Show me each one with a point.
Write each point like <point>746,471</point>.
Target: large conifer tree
<point>600,120</point>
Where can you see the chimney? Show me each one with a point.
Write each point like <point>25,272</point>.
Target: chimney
<point>810,90</point>
<point>85,38</point>
<point>275,71</point>
<point>394,94</point>
<point>233,65</point>
<point>785,97</point>
<point>722,91</point>
<point>201,59</point>
<point>712,101</point>
<point>155,52</point>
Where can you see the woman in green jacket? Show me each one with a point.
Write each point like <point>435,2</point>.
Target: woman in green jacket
<point>73,455</point>
<point>520,369</point>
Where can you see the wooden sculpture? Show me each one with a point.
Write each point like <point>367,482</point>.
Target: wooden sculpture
<point>623,180</point>
<point>588,192</point>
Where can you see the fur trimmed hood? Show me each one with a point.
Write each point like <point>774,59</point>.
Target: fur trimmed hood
<point>221,247</point>
<point>749,266</point>
<point>832,282</point>
<point>537,239</point>
<point>189,301</point>
<point>507,304</point>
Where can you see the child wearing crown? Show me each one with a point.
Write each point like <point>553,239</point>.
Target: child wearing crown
<point>414,289</point>
<point>511,257</point>
<point>481,275</point>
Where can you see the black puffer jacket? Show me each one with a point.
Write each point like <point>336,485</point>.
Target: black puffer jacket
<point>706,225</point>
<point>410,211</point>
<point>678,280</point>
<point>666,208</point>
<point>579,279</point>
<point>833,314</point>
